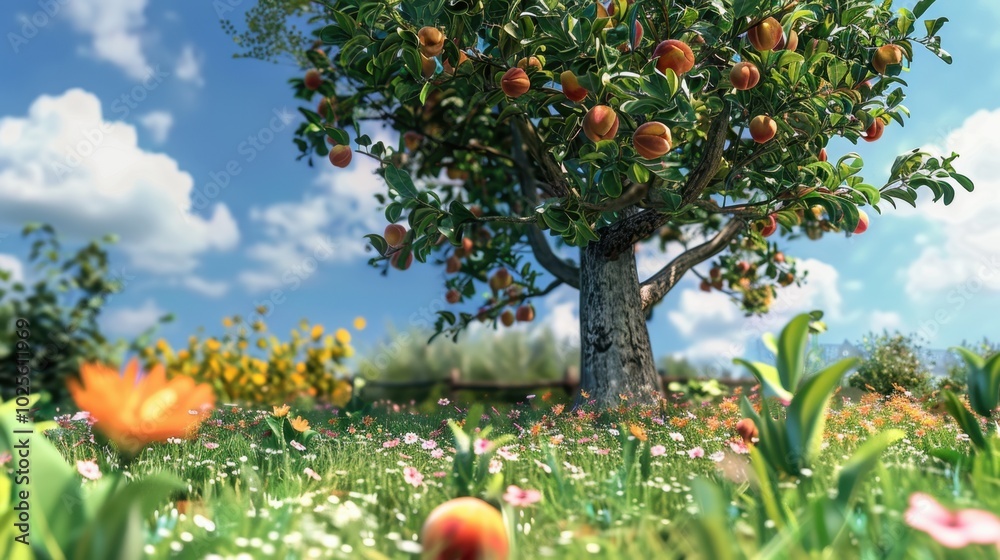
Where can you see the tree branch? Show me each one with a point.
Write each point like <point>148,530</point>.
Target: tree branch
<point>658,285</point>
<point>625,233</point>
<point>544,254</point>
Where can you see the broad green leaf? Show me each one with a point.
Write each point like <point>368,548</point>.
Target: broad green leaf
<point>791,355</point>
<point>807,412</point>
<point>400,181</point>
<point>862,462</point>
<point>965,419</point>
<point>768,377</point>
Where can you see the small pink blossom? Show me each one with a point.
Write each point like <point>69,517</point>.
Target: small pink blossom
<point>429,444</point>
<point>312,474</point>
<point>505,453</point>
<point>481,446</point>
<point>543,466</point>
<point>410,438</point>
<point>953,529</point>
<point>657,450</point>
<point>5,457</point>
<point>413,477</point>
<point>211,445</point>
<point>389,444</point>
<point>495,466</point>
<point>444,402</point>
<point>439,474</point>
<point>676,436</point>
<point>602,451</point>
<point>520,497</point>
<point>739,447</point>
<point>437,453</point>
<point>718,456</point>
<point>696,453</point>
<point>297,445</point>
<point>89,469</point>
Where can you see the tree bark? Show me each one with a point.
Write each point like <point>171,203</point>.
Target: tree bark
<point>616,357</point>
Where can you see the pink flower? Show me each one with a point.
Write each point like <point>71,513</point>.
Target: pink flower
<point>211,445</point>
<point>390,443</point>
<point>495,466</point>
<point>5,457</point>
<point>953,529</point>
<point>437,453</point>
<point>429,444</point>
<point>696,453</point>
<point>739,447</point>
<point>410,438</point>
<point>718,456</point>
<point>297,445</point>
<point>602,451</point>
<point>444,402</point>
<point>312,474</point>
<point>519,497</point>
<point>439,474</point>
<point>657,450</point>
<point>481,446</point>
<point>413,477</point>
<point>676,436</point>
<point>506,454</point>
<point>89,469</point>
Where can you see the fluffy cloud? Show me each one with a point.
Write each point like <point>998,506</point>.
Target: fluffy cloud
<point>114,27</point>
<point>885,321</point>
<point>963,253</point>
<point>205,287</point>
<point>11,265</point>
<point>327,225</point>
<point>65,165</point>
<point>717,331</point>
<point>158,123</point>
<point>188,66</point>
<point>131,321</point>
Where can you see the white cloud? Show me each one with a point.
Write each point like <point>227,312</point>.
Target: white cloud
<point>115,28</point>
<point>209,288</point>
<point>964,252</point>
<point>188,66</point>
<point>158,123</point>
<point>13,266</point>
<point>885,321</point>
<point>717,331</point>
<point>131,321</point>
<point>65,165</point>
<point>328,224</point>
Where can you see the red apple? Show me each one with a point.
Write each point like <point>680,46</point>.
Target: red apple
<point>675,55</point>
<point>763,128</point>
<point>744,76</point>
<point>600,123</point>
<point>313,79</point>
<point>515,83</point>
<point>770,226</point>
<point>875,131</point>
<point>651,140</point>
<point>340,155</point>
<point>526,314</point>
<point>464,529</point>
<point>394,235</point>
<point>571,87</point>
<point>453,296</point>
<point>765,35</point>
<point>862,222</point>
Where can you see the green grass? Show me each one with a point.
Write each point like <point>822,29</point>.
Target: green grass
<point>250,497</point>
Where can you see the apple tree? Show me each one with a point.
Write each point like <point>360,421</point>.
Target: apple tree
<point>526,131</point>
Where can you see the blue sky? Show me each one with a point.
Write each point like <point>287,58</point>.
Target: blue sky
<point>90,144</point>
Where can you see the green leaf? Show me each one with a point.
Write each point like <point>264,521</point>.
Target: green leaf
<point>807,411</point>
<point>378,243</point>
<point>768,377</point>
<point>400,182</point>
<point>921,7</point>
<point>791,355</point>
<point>862,462</point>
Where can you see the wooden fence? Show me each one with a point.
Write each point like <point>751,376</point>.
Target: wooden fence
<point>570,383</point>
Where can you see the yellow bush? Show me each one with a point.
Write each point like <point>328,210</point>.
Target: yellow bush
<point>248,364</point>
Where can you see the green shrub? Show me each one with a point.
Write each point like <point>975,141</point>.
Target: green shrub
<point>892,361</point>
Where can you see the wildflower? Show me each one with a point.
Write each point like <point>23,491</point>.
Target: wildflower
<point>134,411</point>
<point>739,447</point>
<point>281,411</point>
<point>718,456</point>
<point>602,451</point>
<point>444,402</point>
<point>696,453</point>
<point>495,466</point>
<point>676,436</point>
<point>88,469</point>
<point>558,409</point>
<point>5,457</point>
<point>312,474</point>
<point>953,529</point>
<point>360,323</point>
<point>390,443</point>
<point>297,445</point>
<point>506,454</point>
<point>410,438</point>
<point>439,474</point>
<point>638,431</point>
<point>211,445</point>
<point>413,477</point>
<point>343,336</point>
<point>437,453</point>
<point>557,439</point>
<point>657,450</point>
<point>429,444</point>
<point>481,446</point>
<point>543,466</point>
<point>520,497</point>
<point>300,424</point>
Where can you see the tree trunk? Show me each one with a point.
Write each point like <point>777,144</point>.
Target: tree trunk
<point>616,357</point>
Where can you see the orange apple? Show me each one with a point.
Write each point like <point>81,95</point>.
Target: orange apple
<point>875,131</point>
<point>452,264</point>
<point>453,296</point>
<point>507,318</point>
<point>885,56</point>
<point>529,63</point>
<point>600,123</point>
<point>313,79</point>
<point>394,260</point>
<point>744,76</point>
<point>862,222</point>
<point>515,82</point>
<point>525,314</point>
<point>763,128</point>
<point>652,140</point>
<point>765,35</point>
<point>340,155</point>
<point>675,55</point>
<point>431,41</point>
<point>791,42</point>
<point>394,235</point>
<point>769,227</point>
<point>571,87</point>
<point>500,280</point>
<point>822,155</point>
<point>327,106</point>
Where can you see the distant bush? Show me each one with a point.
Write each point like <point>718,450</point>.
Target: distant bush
<point>56,316</point>
<point>246,364</point>
<point>892,361</point>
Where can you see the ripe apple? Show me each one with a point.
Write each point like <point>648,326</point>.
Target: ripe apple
<point>705,286</point>
<point>875,131</point>
<point>770,226</point>
<point>525,314</point>
<point>452,264</point>
<point>744,76</point>
<point>507,318</point>
<point>822,154</point>
<point>571,87</point>
<point>885,56</point>
<point>394,260</point>
<point>862,222</point>
<point>340,155</point>
<point>412,139</point>
<point>715,273</point>
<point>515,82</point>
<point>464,528</point>
<point>500,280</point>
<point>743,267</point>
<point>327,106</point>
<point>779,257</point>
<point>789,42</point>
<point>431,41</point>
<point>453,296</point>
<point>675,55</point>
<point>651,140</point>
<point>394,235</point>
<point>528,63</point>
<point>313,79</point>
<point>763,128</point>
<point>765,35</point>
<point>600,123</point>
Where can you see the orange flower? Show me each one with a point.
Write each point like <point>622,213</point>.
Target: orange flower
<point>135,413</point>
<point>300,424</point>
<point>281,411</point>
<point>638,431</point>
